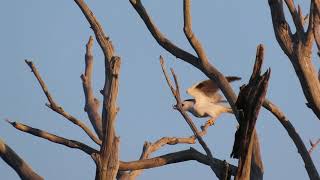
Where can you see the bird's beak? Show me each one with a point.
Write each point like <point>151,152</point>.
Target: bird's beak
<point>174,106</point>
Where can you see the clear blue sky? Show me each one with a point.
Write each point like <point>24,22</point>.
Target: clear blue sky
<point>53,34</point>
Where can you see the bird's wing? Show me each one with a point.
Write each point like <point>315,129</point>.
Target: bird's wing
<point>207,90</point>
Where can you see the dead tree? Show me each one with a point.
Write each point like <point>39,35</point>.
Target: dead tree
<point>246,106</point>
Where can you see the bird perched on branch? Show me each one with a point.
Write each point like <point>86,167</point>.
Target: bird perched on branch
<point>207,100</point>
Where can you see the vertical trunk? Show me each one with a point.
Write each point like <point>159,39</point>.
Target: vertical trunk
<point>108,161</point>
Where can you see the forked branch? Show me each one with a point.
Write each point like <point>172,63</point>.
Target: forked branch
<point>298,46</point>
<point>149,148</point>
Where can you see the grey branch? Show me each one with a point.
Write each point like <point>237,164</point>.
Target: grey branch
<point>54,138</point>
<point>24,171</point>
<point>55,107</point>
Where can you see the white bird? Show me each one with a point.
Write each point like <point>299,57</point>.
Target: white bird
<point>207,100</point>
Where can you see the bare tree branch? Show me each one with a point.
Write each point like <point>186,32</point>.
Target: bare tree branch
<point>160,38</point>
<point>24,171</point>
<point>101,37</point>
<point>176,93</point>
<point>281,27</point>
<point>299,51</point>
<point>204,66</point>
<point>54,138</point>
<point>313,145</point>
<point>249,102</point>
<point>58,109</point>
<point>309,165</point>
<point>176,157</point>
<point>108,161</point>
<point>92,103</point>
<point>296,17</point>
<point>316,23</point>
<point>194,42</point>
<point>149,148</point>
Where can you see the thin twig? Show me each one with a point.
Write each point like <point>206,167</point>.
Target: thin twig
<point>313,145</point>
<point>149,148</point>
<point>58,109</point>
<point>176,93</point>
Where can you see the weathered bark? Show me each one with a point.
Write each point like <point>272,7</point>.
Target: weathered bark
<point>24,171</point>
<point>316,23</point>
<point>249,102</point>
<point>298,48</point>
<point>92,103</point>
<point>108,160</point>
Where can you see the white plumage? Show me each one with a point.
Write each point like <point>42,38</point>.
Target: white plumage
<point>207,101</point>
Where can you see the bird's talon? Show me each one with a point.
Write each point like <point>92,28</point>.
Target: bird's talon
<point>210,122</point>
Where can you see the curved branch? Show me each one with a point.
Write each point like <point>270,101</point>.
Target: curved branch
<point>160,38</point>
<point>54,138</point>
<point>24,171</point>
<point>193,40</point>
<point>309,165</point>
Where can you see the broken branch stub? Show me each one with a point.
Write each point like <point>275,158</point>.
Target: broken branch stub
<point>249,102</point>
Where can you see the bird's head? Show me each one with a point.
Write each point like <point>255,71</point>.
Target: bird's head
<point>187,104</point>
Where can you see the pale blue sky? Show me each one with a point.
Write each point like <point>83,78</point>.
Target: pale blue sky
<point>53,34</point>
